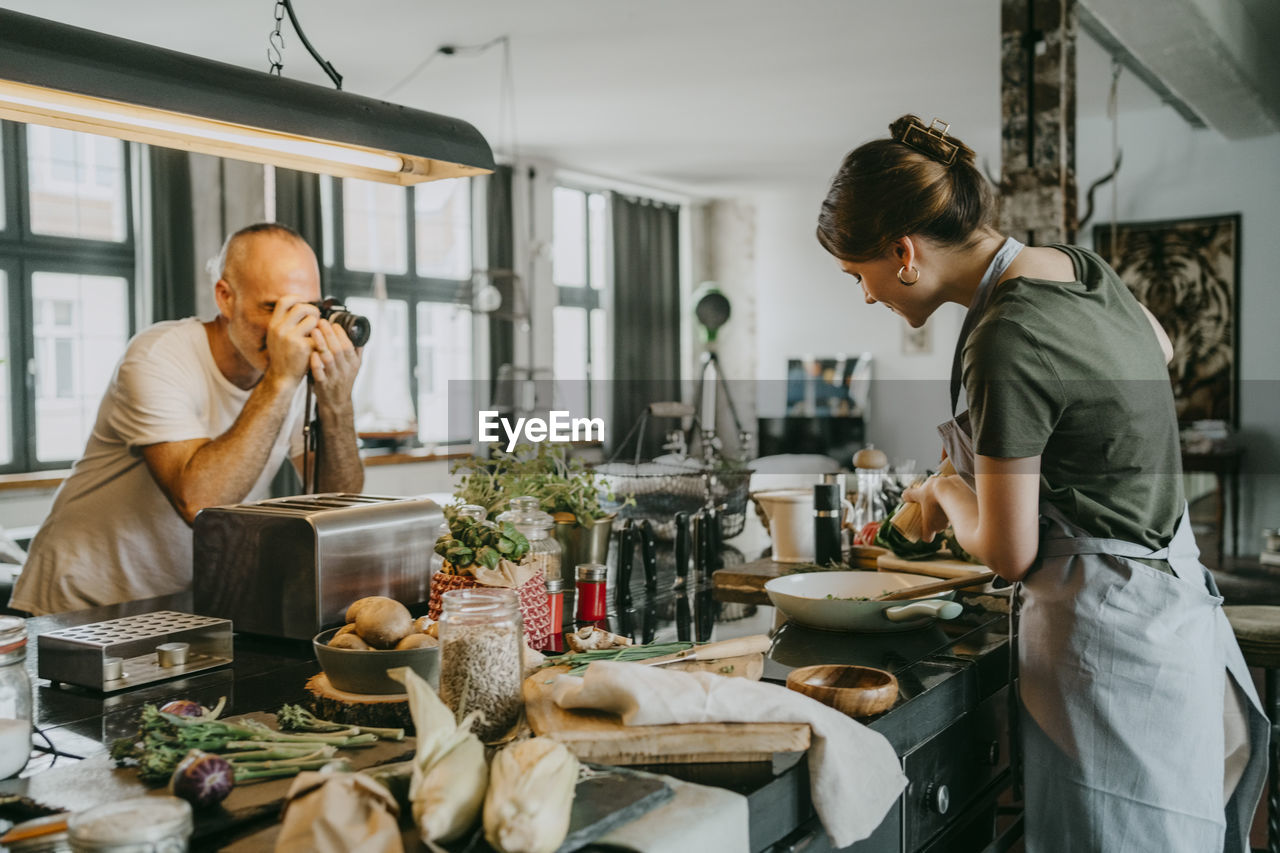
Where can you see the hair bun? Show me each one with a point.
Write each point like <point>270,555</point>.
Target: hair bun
<point>931,140</point>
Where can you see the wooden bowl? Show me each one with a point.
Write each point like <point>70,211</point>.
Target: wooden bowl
<point>858,691</point>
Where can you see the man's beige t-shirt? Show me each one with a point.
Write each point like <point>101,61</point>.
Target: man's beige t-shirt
<point>112,535</point>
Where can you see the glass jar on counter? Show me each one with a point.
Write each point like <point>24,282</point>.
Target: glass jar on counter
<point>872,466</point>
<point>15,697</point>
<point>481,642</point>
<point>537,526</point>
<point>137,825</point>
<point>465,511</point>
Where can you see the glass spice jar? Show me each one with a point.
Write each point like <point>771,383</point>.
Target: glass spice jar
<point>15,697</point>
<point>591,592</point>
<point>481,642</point>
<point>555,595</point>
<point>544,549</point>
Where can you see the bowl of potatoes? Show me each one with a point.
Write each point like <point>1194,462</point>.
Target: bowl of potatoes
<point>379,634</point>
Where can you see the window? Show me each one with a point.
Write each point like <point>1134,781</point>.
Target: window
<point>66,288</point>
<point>579,320</point>
<point>414,245</point>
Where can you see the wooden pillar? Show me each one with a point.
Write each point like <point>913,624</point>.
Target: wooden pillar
<point>1038,108</point>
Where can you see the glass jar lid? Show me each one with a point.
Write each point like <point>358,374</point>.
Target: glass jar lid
<point>592,572</point>
<point>13,634</point>
<point>139,820</point>
<point>527,515</point>
<point>491,601</point>
<point>473,511</point>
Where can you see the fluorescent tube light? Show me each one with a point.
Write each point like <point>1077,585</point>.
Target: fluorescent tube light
<point>76,79</point>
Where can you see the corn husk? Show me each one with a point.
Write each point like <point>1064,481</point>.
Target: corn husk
<point>530,797</point>
<point>449,771</point>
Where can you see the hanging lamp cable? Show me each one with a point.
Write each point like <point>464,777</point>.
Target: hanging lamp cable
<point>275,44</point>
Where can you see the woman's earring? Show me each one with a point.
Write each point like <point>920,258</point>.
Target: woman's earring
<point>903,269</point>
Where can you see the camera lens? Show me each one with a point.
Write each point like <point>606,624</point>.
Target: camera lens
<point>355,325</point>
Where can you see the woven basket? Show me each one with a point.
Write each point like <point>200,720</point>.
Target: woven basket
<point>658,491</point>
<point>535,606</point>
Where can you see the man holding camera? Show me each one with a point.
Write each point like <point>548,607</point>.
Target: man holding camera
<point>196,415</point>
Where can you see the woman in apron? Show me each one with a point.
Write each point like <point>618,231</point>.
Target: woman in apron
<point>1139,725</point>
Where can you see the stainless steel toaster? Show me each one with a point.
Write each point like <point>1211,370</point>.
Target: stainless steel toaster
<point>289,567</point>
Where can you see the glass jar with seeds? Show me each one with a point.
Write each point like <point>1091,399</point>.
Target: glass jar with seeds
<point>481,638</point>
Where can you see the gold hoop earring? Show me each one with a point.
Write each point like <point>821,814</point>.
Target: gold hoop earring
<point>903,269</point>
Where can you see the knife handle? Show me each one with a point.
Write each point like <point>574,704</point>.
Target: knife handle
<point>756,643</point>
<point>626,547</point>
<point>649,556</point>
<point>682,546</point>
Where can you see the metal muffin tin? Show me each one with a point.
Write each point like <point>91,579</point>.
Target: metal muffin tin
<point>120,654</point>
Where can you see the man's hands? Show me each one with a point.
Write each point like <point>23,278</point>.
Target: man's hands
<point>334,364</point>
<point>288,342</point>
<point>298,340</point>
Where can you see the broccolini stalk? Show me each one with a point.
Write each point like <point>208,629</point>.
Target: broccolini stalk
<point>248,773</point>
<point>299,719</point>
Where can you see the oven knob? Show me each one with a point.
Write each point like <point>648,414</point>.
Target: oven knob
<point>993,753</point>
<point>938,797</point>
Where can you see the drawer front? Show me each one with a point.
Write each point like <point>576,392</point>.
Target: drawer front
<point>946,772</point>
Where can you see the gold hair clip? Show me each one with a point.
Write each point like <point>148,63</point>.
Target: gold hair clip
<point>932,141</point>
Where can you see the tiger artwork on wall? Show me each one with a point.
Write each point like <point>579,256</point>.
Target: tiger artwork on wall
<point>1187,274</point>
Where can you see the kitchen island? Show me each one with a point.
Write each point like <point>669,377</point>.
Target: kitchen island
<point>948,725</point>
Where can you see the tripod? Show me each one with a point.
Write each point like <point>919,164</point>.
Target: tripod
<point>706,398</point>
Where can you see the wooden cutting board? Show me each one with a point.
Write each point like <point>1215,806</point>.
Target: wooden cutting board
<point>600,737</point>
<point>937,567</point>
<point>96,780</point>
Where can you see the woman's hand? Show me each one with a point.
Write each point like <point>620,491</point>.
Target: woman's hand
<point>933,518</point>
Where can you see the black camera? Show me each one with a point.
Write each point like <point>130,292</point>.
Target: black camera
<point>356,326</point>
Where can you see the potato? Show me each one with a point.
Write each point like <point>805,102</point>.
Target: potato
<point>422,625</point>
<point>349,628</point>
<point>349,641</point>
<point>354,610</point>
<point>417,641</point>
<point>382,622</point>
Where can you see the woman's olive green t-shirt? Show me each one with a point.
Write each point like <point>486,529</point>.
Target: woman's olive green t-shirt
<point>1072,372</point>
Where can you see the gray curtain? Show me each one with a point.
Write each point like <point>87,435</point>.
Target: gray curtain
<point>645,319</point>
<point>501,242</point>
<point>173,241</point>
<point>298,206</point>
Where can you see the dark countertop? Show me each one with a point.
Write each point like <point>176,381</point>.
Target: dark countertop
<point>944,670</point>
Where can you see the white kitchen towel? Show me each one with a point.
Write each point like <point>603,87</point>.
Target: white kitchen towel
<point>697,819</point>
<point>854,774</point>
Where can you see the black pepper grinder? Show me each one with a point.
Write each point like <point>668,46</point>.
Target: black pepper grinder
<point>826,524</point>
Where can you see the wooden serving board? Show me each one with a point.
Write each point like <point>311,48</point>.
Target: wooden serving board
<point>601,737</point>
<point>937,567</point>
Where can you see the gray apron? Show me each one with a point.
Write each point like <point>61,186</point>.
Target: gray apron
<point>1122,674</point>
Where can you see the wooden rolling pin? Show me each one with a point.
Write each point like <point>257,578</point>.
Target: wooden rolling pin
<point>908,520</point>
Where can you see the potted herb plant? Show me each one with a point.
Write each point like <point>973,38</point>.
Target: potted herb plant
<point>567,489</point>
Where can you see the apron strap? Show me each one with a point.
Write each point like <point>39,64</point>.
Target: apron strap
<point>1004,256</point>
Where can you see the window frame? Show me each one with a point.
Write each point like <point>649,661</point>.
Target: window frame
<point>410,287</point>
<point>23,253</point>
<point>588,297</point>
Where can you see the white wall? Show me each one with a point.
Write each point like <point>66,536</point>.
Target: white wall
<point>805,305</point>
